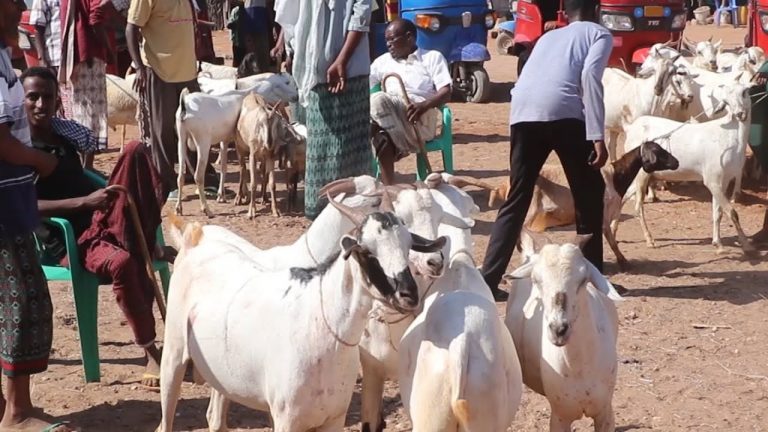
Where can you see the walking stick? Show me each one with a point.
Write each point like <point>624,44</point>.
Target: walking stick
<point>159,297</point>
<point>422,150</point>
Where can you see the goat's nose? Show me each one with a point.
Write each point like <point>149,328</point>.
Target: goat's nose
<point>560,329</point>
<point>435,263</point>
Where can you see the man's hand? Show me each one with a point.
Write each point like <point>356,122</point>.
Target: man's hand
<point>601,155</point>
<point>414,111</point>
<point>98,200</point>
<point>550,25</point>
<point>140,83</point>
<point>277,52</point>
<point>336,76</point>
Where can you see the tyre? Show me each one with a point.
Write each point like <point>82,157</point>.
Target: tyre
<point>480,86</point>
<point>503,42</point>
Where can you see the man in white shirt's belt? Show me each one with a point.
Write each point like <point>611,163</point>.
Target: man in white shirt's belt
<point>427,81</point>
<point>557,104</point>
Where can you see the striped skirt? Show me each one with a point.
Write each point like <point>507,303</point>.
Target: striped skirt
<point>26,313</point>
<point>338,141</point>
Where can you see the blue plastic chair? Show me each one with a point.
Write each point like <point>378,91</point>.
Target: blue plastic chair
<point>85,288</point>
<point>442,143</point>
<point>731,8</point>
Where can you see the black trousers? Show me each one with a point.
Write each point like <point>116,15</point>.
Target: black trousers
<point>530,145</point>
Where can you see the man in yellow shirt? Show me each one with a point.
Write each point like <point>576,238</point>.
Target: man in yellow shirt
<point>166,64</point>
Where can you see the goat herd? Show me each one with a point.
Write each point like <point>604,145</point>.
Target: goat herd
<point>384,279</point>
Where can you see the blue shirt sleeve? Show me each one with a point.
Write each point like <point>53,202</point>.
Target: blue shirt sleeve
<point>592,85</point>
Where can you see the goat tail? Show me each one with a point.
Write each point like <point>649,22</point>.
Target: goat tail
<point>182,107</point>
<point>459,362</point>
<point>185,237</point>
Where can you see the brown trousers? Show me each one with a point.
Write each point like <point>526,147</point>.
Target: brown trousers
<point>158,121</point>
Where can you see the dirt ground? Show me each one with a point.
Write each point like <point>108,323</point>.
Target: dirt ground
<point>672,375</point>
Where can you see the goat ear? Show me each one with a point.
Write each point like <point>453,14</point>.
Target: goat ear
<point>718,44</point>
<point>532,242</point>
<point>601,283</point>
<point>420,244</point>
<point>581,240</point>
<point>349,244</point>
<point>522,272</point>
<point>647,155</point>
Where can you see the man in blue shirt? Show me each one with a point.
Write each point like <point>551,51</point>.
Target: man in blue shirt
<point>557,104</point>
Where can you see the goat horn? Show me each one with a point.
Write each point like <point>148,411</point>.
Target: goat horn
<point>460,182</point>
<point>710,38</point>
<point>354,215</point>
<point>336,187</point>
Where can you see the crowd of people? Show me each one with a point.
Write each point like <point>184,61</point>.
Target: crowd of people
<point>53,120</point>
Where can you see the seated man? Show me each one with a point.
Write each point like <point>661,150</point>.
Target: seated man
<point>428,84</point>
<point>106,239</point>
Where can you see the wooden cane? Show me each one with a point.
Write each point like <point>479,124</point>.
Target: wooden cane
<point>159,296</point>
<point>422,150</point>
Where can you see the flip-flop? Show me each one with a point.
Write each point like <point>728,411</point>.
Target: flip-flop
<point>51,427</point>
<point>149,376</point>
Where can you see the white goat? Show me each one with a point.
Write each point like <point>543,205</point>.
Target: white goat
<point>458,364</point>
<point>272,87</point>
<point>122,103</point>
<point>201,121</point>
<point>663,88</point>
<point>727,60</point>
<point>553,205</point>
<point>236,337</point>
<point>705,53</point>
<point>217,71</point>
<point>713,152</point>
<point>562,318</point>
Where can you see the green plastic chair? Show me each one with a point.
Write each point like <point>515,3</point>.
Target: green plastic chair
<point>442,143</point>
<point>85,287</point>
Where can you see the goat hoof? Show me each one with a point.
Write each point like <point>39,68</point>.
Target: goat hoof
<point>221,199</point>
<point>178,211</point>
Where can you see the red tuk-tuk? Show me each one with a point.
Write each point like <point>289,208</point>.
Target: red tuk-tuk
<point>636,25</point>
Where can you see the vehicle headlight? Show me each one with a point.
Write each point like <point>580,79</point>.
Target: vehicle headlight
<point>764,21</point>
<point>617,22</point>
<point>678,22</point>
<point>490,20</point>
<point>428,22</point>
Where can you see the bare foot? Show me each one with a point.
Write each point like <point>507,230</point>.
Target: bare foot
<point>32,424</point>
<point>151,376</point>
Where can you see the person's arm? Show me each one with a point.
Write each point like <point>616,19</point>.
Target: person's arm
<point>138,16</point>
<point>441,78</point>
<point>359,25</point>
<point>42,51</point>
<point>40,18</point>
<point>592,94</point>
<point>98,200</point>
<point>15,152</point>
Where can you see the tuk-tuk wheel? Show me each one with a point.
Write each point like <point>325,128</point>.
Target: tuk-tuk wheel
<point>503,42</point>
<point>480,85</point>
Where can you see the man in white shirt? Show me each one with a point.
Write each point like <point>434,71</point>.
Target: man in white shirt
<point>428,84</point>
